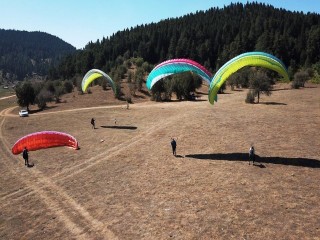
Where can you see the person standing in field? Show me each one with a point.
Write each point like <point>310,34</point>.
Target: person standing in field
<point>251,155</point>
<point>25,155</point>
<point>174,146</point>
<point>93,123</point>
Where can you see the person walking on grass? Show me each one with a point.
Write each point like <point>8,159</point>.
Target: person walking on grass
<point>25,156</point>
<point>174,146</point>
<point>251,155</point>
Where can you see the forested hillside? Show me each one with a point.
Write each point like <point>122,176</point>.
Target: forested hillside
<point>25,53</point>
<point>209,37</point>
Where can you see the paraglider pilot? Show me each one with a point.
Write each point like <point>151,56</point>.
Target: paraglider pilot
<point>251,155</point>
<point>174,146</point>
<point>25,156</point>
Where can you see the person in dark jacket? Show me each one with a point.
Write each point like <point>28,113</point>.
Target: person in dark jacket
<point>174,146</point>
<point>251,155</point>
<point>25,155</point>
<point>93,123</point>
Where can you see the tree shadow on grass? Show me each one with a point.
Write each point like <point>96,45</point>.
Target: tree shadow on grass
<point>139,96</point>
<point>121,127</point>
<point>201,93</point>
<point>198,100</point>
<point>237,90</point>
<point>300,162</point>
<point>272,103</point>
<point>147,93</point>
<point>41,110</point>
<point>281,89</point>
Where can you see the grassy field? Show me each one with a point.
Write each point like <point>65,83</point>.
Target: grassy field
<point>7,100</point>
<point>124,182</point>
<point>6,92</point>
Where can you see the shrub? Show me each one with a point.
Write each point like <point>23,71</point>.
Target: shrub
<point>129,77</point>
<point>59,91</point>
<point>41,102</point>
<point>138,78</point>
<point>299,79</point>
<point>250,97</point>
<point>118,93</point>
<point>42,98</point>
<point>104,84</point>
<point>146,67</point>
<point>128,99</point>
<point>222,88</point>
<point>316,78</point>
<point>295,84</point>
<point>132,88</point>
<point>122,70</point>
<point>68,86</point>
<point>128,63</point>
<point>139,61</point>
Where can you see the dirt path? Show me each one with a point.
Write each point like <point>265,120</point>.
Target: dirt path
<point>8,112</point>
<point>54,197</point>
<point>7,97</point>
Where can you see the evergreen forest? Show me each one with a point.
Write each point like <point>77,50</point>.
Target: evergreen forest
<point>209,37</point>
<point>25,54</point>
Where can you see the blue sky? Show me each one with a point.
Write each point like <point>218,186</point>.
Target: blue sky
<point>80,21</point>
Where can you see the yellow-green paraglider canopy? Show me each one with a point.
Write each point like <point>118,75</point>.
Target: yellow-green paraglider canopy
<point>259,59</point>
<point>94,74</point>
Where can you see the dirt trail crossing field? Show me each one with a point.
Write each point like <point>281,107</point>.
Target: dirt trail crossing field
<point>124,183</point>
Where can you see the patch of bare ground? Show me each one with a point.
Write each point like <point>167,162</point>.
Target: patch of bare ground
<point>124,182</point>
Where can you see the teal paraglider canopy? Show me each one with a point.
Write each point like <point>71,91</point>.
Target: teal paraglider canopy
<point>175,66</point>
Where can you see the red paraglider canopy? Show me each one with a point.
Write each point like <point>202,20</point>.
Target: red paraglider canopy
<point>45,139</point>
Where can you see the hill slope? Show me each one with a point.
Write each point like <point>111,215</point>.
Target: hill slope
<point>209,37</point>
<point>25,53</point>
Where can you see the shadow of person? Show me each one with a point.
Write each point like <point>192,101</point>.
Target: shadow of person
<point>291,161</point>
<point>273,103</point>
<point>259,165</point>
<point>179,156</point>
<point>30,165</point>
<point>121,127</point>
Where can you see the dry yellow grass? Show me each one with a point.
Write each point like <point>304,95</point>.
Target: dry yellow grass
<point>129,186</point>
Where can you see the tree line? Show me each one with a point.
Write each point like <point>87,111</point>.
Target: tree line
<point>209,37</point>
